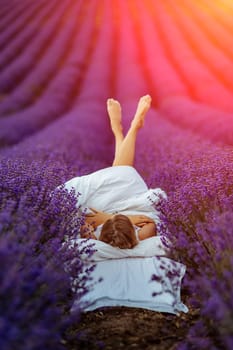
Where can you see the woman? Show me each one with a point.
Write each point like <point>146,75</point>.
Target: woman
<point>119,193</point>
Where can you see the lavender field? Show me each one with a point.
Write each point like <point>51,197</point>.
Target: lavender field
<point>59,62</point>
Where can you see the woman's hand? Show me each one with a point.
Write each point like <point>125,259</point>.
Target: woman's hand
<point>140,220</point>
<point>97,217</point>
<point>87,231</point>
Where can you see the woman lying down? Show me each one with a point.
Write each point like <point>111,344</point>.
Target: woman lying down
<point>123,231</point>
<point>118,200</point>
<point>120,210</point>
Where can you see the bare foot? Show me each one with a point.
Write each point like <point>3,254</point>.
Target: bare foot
<point>114,112</point>
<point>143,106</point>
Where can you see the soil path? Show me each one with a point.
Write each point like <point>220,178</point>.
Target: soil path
<point>130,328</point>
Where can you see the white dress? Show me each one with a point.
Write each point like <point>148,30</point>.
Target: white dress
<point>117,189</point>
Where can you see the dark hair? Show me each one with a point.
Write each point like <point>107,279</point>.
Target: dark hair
<point>118,231</point>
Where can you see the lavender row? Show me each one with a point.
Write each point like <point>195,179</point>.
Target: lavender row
<point>11,30</point>
<point>59,96</point>
<point>91,94</point>
<point>183,117</point>
<point>205,120</point>
<point>75,144</point>
<point>17,69</point>
<point>19,44</point>
<point>208,87</point>
<point>210,122</point>
<point>37,265</point>
<point>222,15</point>
<point>11,14</point>
<point>36,81</point>
<point>215,59</point>
<point>163,77</point>
<point>216,32</point>
<point>98,84</point>
<point>197,177</point>
<point>129,81</point>
<point>7,14</point>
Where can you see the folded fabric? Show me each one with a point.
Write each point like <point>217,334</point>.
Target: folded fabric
<point>117,189</point>
<point>153,246</point>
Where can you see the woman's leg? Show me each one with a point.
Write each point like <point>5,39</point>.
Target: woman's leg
<point>114,112</point>
<point>125,150</point>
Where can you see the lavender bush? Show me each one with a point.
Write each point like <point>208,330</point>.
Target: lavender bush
<point>120,50</point>
<point>36,291</point>
<point>198,222</point>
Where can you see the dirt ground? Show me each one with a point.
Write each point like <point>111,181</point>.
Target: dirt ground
<point>130,328</point>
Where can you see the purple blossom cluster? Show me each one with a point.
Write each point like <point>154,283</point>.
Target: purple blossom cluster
<point>37,264</point>
<point>197,220</point>
<point>54,126</point>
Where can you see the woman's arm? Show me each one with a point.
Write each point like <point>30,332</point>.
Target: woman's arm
<point>140,220</point>
<point>97,217</point>
<point>147,231</point>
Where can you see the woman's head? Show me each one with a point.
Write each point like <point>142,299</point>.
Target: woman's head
<point>119,232</point>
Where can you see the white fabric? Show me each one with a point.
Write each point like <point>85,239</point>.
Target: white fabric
<point>98,231</point>
<point>118,189</point>
<point>127,273</point>
<point>127,282</point>
<point>149,247</point>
